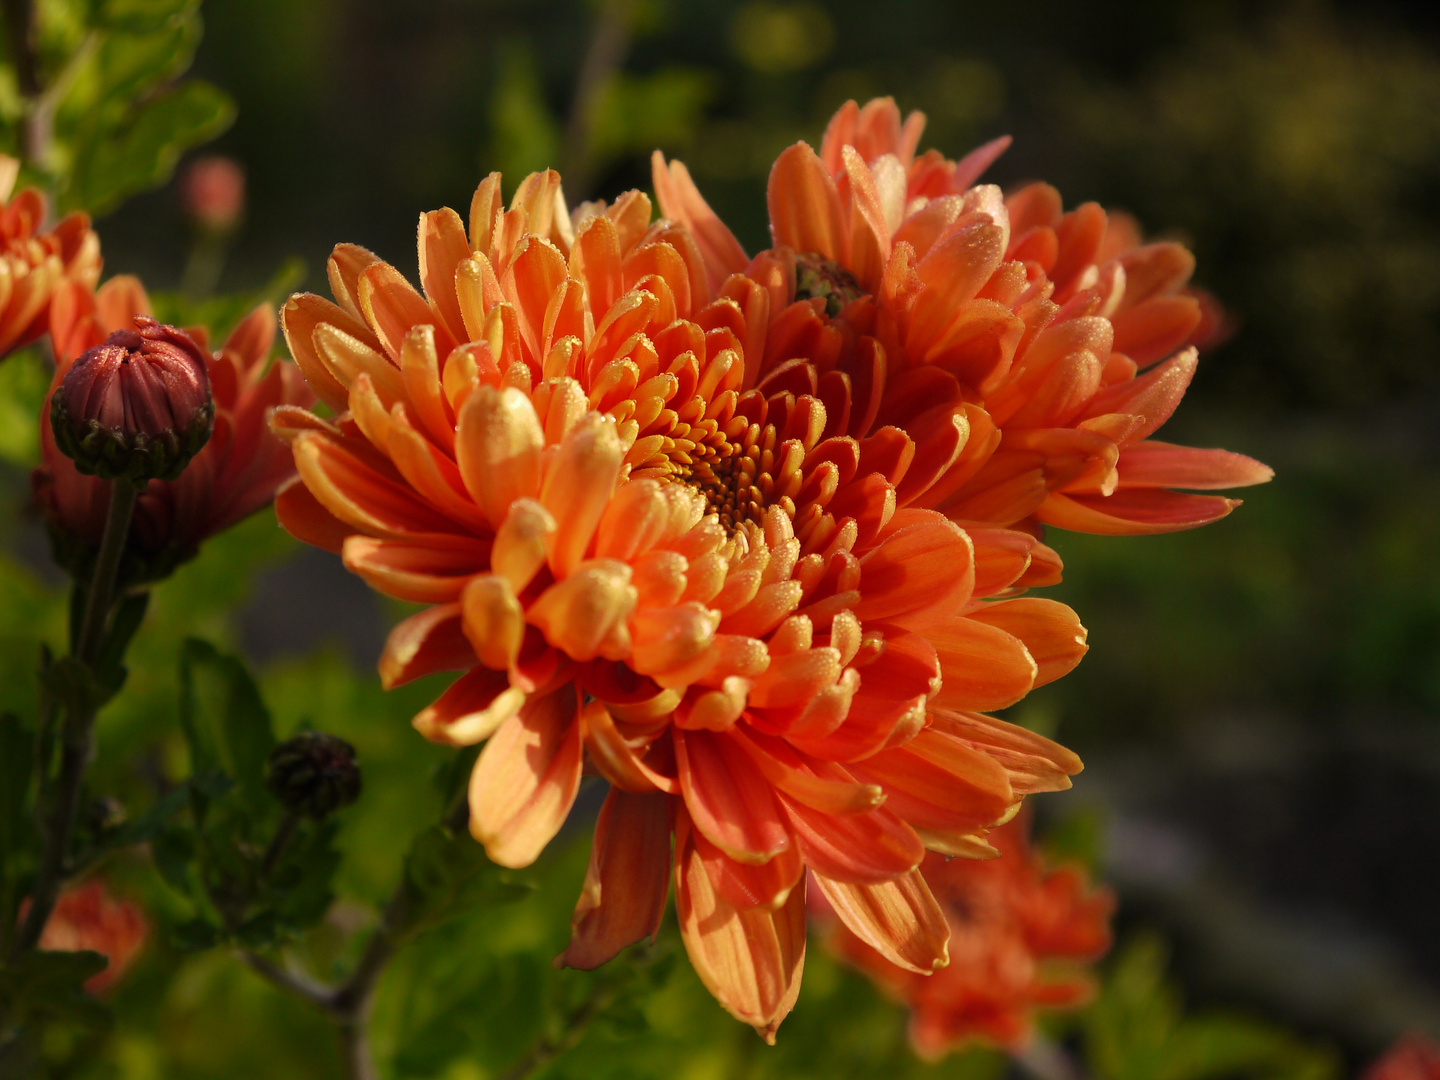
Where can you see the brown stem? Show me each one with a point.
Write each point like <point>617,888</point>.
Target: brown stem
<point>35,132</point>
<point>292,982</point>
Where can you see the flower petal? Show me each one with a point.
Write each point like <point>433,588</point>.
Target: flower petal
<point>899,919</point>
<point>751,960</point>
<point>526,778</point>
<point>623,898</point>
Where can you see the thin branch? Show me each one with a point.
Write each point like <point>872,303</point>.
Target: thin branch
<point>294,982</point>
<point>283,835</point>
<point>547,1049</point>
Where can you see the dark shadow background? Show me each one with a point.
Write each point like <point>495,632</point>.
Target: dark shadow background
<point>1261,705</point>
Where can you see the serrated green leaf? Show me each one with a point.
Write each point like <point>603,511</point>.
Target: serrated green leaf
<point>301,887</point>
<point>224,719</point>
<point>449,874</point>
<point>148,824</point>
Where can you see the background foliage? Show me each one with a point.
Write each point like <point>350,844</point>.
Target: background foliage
<point>1260,710</point>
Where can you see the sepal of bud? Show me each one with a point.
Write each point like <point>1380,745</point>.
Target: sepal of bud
<point>817,276</point>
<point>313,774</point>
<point>137,407</point>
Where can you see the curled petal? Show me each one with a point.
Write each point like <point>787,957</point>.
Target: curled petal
<point>623,898</point>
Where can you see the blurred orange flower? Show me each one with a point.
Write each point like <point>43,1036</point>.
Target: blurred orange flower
<point>33,262</point>
<point>1414,1057</point>
<point>1019,934</point>
<point>89,917</point>
<point>237,471</point>
<point>699,565</point>
<point>1036,323</point>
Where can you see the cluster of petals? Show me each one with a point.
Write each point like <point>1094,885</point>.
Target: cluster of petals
<point>1061,339</point>
<point>1413,1057</point>
<point>1020,936</point>
<point>35,262</point>
<point>665,546</point>
<point>89,917</point>
<point>236,473</point>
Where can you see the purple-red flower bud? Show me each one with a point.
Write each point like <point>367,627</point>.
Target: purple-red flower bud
<point>137,407</point>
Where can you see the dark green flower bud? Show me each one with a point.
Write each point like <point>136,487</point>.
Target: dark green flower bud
<point>313,774</point>
<point>816,275</point>
<point>137,407</point>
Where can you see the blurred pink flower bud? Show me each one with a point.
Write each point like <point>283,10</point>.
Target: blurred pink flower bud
<point>213,191</point>
<point>137,407</point>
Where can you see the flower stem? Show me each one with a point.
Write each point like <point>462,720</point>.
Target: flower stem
<point>283,835</point>
<point>1045,1059</point>
<point>77,734</point>
<point>101,595</point>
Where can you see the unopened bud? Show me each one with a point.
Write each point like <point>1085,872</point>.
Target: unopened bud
<point>313,774</point>
<point>213,191</point>
<point>137,407</point>
<point>816,275</point>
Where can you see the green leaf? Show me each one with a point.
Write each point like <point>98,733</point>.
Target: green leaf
<point>148,825</point>
<point>449,874</point>
<point>51,986</point>
<point>301,886</point>
<point>1137,1030</point>
<point>195,935</point>
<point>143,152</point>
<point>24,382</point>
<point>224,719</point>
<point>174,851</point>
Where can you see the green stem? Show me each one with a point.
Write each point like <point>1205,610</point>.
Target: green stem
<point>101,595</point>
<point>283,835</point>
<point>547,1049</point>
<point>77,735</point>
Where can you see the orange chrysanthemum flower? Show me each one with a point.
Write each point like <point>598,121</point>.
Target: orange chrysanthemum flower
<point>1019,936</point>
<point>1036,324</point>
<point>34,263</point>
<point>236,473</point>
<point>88,917</point>
<point>1414,1057</point>
<point>665,549</point>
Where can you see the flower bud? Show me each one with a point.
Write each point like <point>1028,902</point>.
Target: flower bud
<point>213,191</point>
<point>313,774</point>
<point>137,407</point>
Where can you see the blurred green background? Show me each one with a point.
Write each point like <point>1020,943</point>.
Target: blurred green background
<point>1260,709</point>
